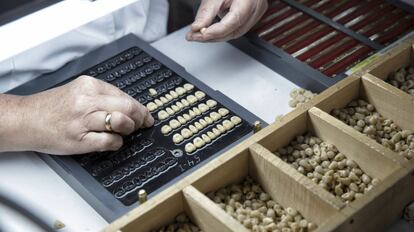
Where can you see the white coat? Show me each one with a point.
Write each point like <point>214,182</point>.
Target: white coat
<point>145,18</point>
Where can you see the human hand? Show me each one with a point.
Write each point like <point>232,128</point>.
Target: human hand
<point>70,119</point>
<point>237,17</point>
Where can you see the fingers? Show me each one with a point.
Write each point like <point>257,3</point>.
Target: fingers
<point>148,120</point>
<point>120,123</point>
<point>102,141</point>
<point>206,13</point>
<point>131,108</point>
<point>100,98</point>
<point>111,99</point>
<point>237,17</point>
<point>242,15</point>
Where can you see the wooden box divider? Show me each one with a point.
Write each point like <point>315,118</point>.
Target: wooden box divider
<point>208,215</point>
<point>286,186</point>
<point>388,101</point>
<point>373,160</point>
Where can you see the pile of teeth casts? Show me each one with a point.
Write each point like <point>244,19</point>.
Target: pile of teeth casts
<point>181,224</point>
<point>300,96</point>
<point>327,167</point>
<point>255,209</point>
<point>362,117</point>
<point>403,79</point>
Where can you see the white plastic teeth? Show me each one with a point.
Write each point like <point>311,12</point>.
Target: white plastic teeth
<point>164,100</point>
<point>177,107</point>
<point>169,111</point>
<point>152,106</point>
<point>190,148</point>
<point>172,95</point>
<point>177,138</point>
<point>166,129</point>
<point>174,124</point>
<point>209,136</point>
<point>186,133</point>
<point>158,103</point>
<point>187,117</point>
<point>198,142</point>
<point>181,119</point>
<point>193,129</point>
<point>211,103</point>
<point>191,99</point>
<point>228,124</point>
<point>215,116</point>
<point>196,126</point>
<point>199,95</point>
<point>152,92</point>
<point>169,97</point>
<point>206,138</point>
<point>203,107</point>
<point>180,91</point>
<point>208,119</point>
<point>185,102</point>
<point>221,128</point>
<point>236,120</point>
<point>162,115</point>
<point>188,87</point>
<point>223,112</point>
<point>203,122</point>
<point>216,132</point>
<point>196,111</point>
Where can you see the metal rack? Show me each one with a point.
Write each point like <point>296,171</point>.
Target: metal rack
<point>314,42</point>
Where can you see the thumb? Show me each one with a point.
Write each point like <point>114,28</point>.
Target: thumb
<point>206,13</point>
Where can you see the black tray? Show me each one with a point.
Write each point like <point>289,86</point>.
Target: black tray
<point>82,177</point>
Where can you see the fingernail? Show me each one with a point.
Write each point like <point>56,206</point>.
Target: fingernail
<point>188,37</point>
<point>149,121</point>
<point>197,37</point>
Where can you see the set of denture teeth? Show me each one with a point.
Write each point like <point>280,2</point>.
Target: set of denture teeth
<point>172,95</point>
<point>179,105</point>
<point>190,115</point>
<point>206,138</point>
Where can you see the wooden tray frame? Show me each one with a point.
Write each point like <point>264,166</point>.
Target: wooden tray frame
<point>373,212</point>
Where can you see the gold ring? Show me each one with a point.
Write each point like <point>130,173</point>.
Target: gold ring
<point>108,122</point>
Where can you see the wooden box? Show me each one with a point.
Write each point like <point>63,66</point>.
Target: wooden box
<point>254,157</point>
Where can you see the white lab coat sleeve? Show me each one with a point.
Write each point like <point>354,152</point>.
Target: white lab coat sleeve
<point>146,18</point>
